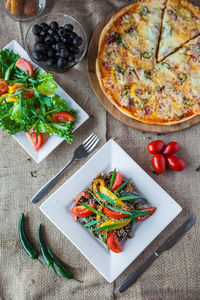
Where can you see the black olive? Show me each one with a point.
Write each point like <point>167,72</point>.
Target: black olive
<point>44,27</point>
<point>37,55</point>
<point>49,39</point>
<point>71,58</point>
<point>57,38</point>
<point>73,35</point>
<point>60,46</point>
<point>50,53</point>
<point>69,27</point>
<point>67,41</point>
<point>61,63</point>
<point>64,53</point>
<point>39,38</point>
<point>77,41</point>
<point>36,29</point>
<point>74,50</point>
<point>57,55</point>
<point>44,57</point>
<point>53,26</point>
<point>53,46</point>
<point>51,62</point>
<point>62,32</point>
<point>40,47</point>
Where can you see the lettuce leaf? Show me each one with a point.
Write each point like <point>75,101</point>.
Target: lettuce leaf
<point>46,84</point>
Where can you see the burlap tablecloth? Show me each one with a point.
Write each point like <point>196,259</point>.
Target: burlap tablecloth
<point>175,275</point>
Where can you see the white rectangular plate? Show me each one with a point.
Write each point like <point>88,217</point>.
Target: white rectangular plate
<point>58,209</point>
<point>53,141</point>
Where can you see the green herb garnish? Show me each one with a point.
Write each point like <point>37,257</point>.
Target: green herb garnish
<point>107,226</point>
<point>108,199</point>
<point>92,209</point>
<point>122,185</point>
<point>112,178</point>
<point>91,223</point>
<point>120,210</point>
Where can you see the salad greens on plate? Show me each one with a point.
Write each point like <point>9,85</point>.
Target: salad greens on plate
<point>30,102</point>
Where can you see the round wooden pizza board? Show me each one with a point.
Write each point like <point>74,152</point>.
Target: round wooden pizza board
<point>115,112</point>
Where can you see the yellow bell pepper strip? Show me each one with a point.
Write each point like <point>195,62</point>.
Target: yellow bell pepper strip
<point>95,188</point>
<point>112,222</point>
<point>100,209</point>
<point>112,196</point>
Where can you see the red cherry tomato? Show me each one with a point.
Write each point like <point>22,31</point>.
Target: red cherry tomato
<point>149,210</point>
<point>81,211</point>
<point>25,66</point>
<point>117,182</point>
<point>176,163</point>
<point>63,116</point>
<point>171,148</point>
<point>3,86</point>
<point>159,163</point>
<point>114,214</point>
<point>36,141</point>
<point>155,147</point>
<point>27,93</point>
<point>113,242</point>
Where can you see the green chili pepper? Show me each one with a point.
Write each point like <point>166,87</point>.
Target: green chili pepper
<point>30,250</point>
<point>165,64</point>
<point>119,69</point>
<point>147,54</point>
<point>63,271</point>
<point>182,77</point>
<point>47,258</point>
<point>8,71</point>
<point>144,11</point>
<point>147,75</point>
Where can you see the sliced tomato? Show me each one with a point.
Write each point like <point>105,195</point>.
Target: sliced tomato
<point>3,86</point>
<point>113,242</point>
<point>27,92</point>
<point>117,182</point>
<point>25,66</point>
<point>149,210</point>
<point>63,116</point>
<point>36,141</point>
<point>81,211</point>
<point>114,214</point>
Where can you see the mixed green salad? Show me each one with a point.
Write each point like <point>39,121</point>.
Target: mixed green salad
<point>28,100</point>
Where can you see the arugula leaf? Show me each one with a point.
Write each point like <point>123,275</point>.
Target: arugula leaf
<point>46,84</point>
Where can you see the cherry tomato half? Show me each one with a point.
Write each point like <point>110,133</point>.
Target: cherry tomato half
<point>176,163</point>
<point>63,116</point>
<point>25,66</point>
<point>36,141</point>
<point>3,86</point>
<point>149,210</point>
<point>155,147</point>
<point>117,182</point>
<point>113,242</point>
<point>81,211</point>
<point>159,163</point>
<point>27,92</point>
<point>114,214</point>
<point>171,148</point>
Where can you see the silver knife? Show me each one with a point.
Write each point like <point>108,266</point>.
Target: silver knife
<point>168,244</point>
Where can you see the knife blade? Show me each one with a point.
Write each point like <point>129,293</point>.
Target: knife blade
<point>168,244</point>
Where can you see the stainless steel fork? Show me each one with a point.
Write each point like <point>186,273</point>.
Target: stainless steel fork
<point>81,152</point>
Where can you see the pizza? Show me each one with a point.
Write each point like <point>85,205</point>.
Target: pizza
<point>146,74</point>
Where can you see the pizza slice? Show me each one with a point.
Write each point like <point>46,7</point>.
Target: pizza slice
<point>181,23</point>
<point>179,77</point>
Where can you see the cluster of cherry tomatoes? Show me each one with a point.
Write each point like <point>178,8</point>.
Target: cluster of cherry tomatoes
<point>163,156</point>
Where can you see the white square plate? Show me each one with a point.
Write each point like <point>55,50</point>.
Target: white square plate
<point>52,141</point>
<point>58,206</point>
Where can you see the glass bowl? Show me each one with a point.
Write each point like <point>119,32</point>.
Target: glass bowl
<point>61,19</point>
<point>28,11</point>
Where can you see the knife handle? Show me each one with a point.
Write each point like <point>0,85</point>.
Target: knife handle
<point>137,273</point>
